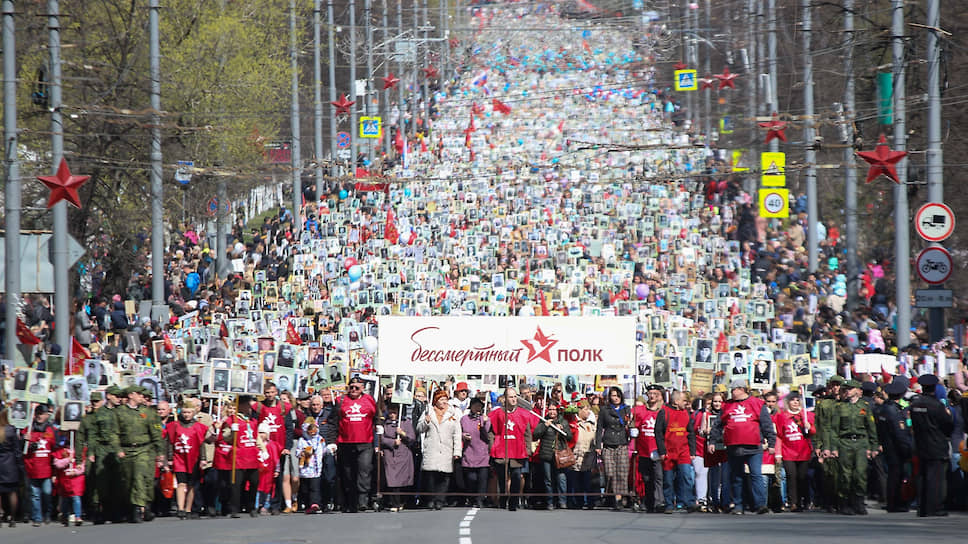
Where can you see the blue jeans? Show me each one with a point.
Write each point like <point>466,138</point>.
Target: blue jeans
<point>71,505</point>
<point>737,470</point>
<point>679,486</point>
<point>554,482</point>
<point>40,498</point>
<point>717,486</point>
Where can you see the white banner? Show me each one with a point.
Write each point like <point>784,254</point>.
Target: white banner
<point>506,345</point>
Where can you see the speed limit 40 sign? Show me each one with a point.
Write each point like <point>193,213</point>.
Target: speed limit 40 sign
<point>774,203</point>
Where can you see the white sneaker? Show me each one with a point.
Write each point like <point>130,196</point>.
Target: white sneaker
<point>71,518</point>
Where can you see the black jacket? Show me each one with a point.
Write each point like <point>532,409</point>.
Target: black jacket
<point>613,425</point>
<point>11,456</point>
<point>892,432</point>
<point>552,440</point>
<point>932,426</point>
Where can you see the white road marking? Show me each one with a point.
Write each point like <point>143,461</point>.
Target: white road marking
<point>464,531</point>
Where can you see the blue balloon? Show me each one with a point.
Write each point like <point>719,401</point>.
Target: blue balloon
<point>192,281</point>
<point>355,272</point>
<point>343,194</point>
<point>407,191</point>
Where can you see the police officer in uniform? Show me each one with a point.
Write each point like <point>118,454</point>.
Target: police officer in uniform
<point>852,439</point>
<point>824,411</point>
<point>101,456</point>
<point>895,439</point>
<point>932,424</point>
<point>139,446</point>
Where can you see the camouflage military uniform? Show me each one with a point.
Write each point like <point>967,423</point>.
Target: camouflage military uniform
<point>139,437</point>
<point>852,434</point>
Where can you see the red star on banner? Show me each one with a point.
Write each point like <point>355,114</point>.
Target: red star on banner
<point>705,83</point>
<point>726,79</point>
<point>680,65</point>
<point>882,161</point>
<point>343,104</point>
<point>774,129</point>
<point>390,81</point>
<point>431,72</point>
<point>63,186</point>
<point>539,347</point>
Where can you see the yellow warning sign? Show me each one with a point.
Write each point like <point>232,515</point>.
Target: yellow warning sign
<point>740,161</point>
<point>773,168</point>
<point>774,203</point>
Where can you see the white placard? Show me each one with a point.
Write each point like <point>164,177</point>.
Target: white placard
<point>507,345</point>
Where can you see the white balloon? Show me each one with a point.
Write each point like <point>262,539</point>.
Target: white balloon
<point>355,286</point>
<point>369,344</point>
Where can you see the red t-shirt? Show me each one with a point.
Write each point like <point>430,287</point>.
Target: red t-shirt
<point>38,461</point>
<point>356,420</point>
<point>509,428</point>
<point>247,455</point>
<point>68,485</point>
<point>274,416</point>
<point>741,422</point>
<point>186,442</point>
<point>794,443</point>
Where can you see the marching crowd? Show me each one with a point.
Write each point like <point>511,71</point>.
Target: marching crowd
<point>511,209</point>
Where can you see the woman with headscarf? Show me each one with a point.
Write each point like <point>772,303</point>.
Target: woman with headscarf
<point>397,440</point>
<point>440,433</point>
<point>612,444</point>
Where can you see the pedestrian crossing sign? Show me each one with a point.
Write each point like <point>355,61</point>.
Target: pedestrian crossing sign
<point>773,169</point>
<point>686,80</point>
<point>740,160</point>
<point>370,127</point>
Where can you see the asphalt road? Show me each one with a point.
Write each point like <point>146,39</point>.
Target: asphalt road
<point>463,526</point>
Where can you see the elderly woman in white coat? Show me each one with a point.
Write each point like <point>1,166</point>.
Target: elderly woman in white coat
<point>440,433</point>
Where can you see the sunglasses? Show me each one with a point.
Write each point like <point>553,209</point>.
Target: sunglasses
<point>356,387</point>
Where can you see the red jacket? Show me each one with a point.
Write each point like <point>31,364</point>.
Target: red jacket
<point>652,429</point>
<point>744,423</point>
<point>70,476</point>
<point>275,417</point>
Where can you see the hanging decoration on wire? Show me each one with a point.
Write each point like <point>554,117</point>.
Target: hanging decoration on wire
<point>390,81</point>
<point>726,79</point>
<point>706,83</point>
<point>774,129</point>
<point>63,186</point>
<point>680,65</point>
<point>343,105</point>
<point>882,161</point>
<point>431,72</point>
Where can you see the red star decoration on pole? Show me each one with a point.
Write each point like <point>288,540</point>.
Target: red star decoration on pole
<point>390,81</point>
<point>705,83</point>
<point>343,104</point>
<point>726,79</point>
<point>882,161</point>
<point>431,72</point>
<point>680,65</point>
<point>63,186</point>
<point>454,42</point>
<point>774,129</point>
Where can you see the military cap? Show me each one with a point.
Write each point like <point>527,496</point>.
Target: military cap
<point>114,390</point>
<point>850,384</point>
<point>835,379</point>
<point>869,387</point>
<point>95,397</point>
<point>655,387</point>
<point>928,380</point>
<point>135,389</point>
<point>896,388</point>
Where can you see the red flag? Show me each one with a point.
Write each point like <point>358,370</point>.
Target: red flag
<point>168,345</point>
<point>423,145</point>
<point>292,337</point>
<point>722,344</point>
<point>361,186</point>
<point>390,232</point>
<point>501,107</point>
<point>453,230</point>
<point>544,303</point>
<point>413,238</point>
<point>398,142</point>
<point>223,330</point>
<point>79,354</point>
<point>24,334</point>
